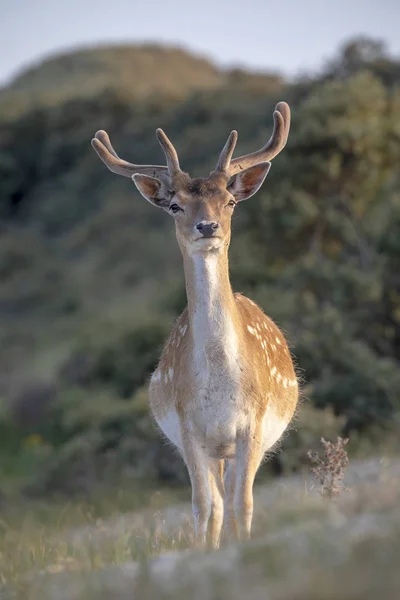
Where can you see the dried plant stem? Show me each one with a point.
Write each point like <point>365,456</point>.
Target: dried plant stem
<point>329,470</point>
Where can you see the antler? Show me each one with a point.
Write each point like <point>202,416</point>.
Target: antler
<point>102,145</point>
<point>170,153</point>
<point>227,151</point>
<point>275,144</point>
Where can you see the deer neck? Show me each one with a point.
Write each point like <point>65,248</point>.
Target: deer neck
<point>213,314</point>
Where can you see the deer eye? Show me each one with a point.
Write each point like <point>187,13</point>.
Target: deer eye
<point>175,208</point>
<point>231,203</point>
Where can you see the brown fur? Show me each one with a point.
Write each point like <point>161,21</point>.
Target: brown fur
<point>225,388</point>
<point>266,376</point>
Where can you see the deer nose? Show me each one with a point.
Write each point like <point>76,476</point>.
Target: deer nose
<point>207,228</point>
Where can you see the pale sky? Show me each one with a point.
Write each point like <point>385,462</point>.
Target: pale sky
<point>291,36</point>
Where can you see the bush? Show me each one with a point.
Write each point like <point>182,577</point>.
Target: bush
<point>91,276</point>
<point>122,361</point>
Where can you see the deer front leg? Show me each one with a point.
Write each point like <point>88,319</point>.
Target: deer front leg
<point>248,458</point>
<point>230,526</point>
<point>197,465</point>
<point>215,475</point>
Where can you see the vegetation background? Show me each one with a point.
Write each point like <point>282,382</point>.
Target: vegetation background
<point>91,276</point>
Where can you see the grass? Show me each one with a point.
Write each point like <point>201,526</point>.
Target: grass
<point>134,538</point>
<point>83,535</point>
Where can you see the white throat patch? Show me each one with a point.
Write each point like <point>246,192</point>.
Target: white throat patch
<point>213,329</point>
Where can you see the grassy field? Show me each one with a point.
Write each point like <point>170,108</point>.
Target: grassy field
<point>303,546</point>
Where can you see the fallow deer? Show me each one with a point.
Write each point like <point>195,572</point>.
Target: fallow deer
<point>225,388</point>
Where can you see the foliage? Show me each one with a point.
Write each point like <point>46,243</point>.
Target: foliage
<point>91,276</point>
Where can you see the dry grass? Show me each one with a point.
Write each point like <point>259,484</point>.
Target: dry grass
<point>83,536</point>
<point>300,542</point>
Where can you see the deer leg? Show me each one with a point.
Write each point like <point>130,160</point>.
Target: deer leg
<point>248,458</point>
<point>215,476</point>
<point>197,465</point>
<point>230,525</point>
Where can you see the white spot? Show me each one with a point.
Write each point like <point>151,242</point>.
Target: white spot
<point>285,383</point>
<point>273,370</point>
<point>251,330</point>
<point>156,375</point>
<point>273,346</point>
<point>170,373</point>
<point>278,341</point>
<point>183,330</point>
<point>166,378</point>
<point>278,377</point>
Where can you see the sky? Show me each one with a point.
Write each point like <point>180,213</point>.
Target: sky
<point>292,36</point>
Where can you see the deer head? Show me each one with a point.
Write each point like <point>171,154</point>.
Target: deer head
<point>202,208</point>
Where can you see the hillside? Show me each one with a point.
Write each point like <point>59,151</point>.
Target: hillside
<point>91,276</point>
<point>137,72</point>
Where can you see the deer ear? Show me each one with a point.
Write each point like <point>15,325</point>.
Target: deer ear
<point>246,183</point>
<point>152,189</point>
